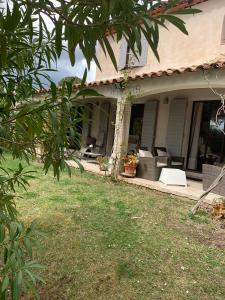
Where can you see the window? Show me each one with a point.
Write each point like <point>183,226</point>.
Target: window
<point>131,60</point>
<point>127,59</point>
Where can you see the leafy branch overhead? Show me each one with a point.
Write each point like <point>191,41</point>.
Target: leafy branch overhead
<point>85,24</point>
<point>33,35</point>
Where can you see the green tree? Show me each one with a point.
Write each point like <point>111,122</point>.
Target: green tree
<point>73,79</point>
<point>29,49</point>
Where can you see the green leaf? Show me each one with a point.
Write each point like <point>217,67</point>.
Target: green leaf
<point>53,90</point>
<point>40,31</point>
<point>20,277</point>
<point>176,22</point>
<point>86,92</point>
<point>27,244</point>
<point>2,233</point>
<point>58,37</point>
<point>31,275</point>
<point>16,16</point>
<point>81,167</point>
<point>110,51</point>
<point>3,51</point>
<point>152,45</point>
<point>69,86</point>
<point>72,55</point>
<point>5,283</point>
<point>187,11</point>
<point>15,289</point>
<point>84,78</point>
<point>12,230</point>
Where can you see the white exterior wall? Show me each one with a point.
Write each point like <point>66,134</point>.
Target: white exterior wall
<point>176,50</point>
<point>95,120</point>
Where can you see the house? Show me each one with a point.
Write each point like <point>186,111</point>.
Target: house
<point>174,101</point>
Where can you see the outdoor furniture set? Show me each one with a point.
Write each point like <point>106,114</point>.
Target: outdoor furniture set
<point>151,164</point>
<point>158,165</point>
<point>94,148</point>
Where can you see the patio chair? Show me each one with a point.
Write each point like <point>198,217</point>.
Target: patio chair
<point>176,162</point>
<point>150,167</point>
<point>94,148</point>
<point>210,173</point>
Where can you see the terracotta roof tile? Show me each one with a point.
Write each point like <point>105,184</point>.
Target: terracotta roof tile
<point>182,4</point>
<point>169,72</point>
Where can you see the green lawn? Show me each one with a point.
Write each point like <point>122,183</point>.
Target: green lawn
<point>116,241</point>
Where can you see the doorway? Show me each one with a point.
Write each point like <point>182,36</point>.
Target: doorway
<point>137,112</point>
<point>136,122</point>
<point>207,141</point>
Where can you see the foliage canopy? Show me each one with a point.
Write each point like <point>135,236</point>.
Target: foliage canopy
<point>33,34</point>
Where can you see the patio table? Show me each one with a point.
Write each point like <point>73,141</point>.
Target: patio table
<point>170,176</point>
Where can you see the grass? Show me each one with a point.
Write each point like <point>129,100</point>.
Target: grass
<point>109,240</point>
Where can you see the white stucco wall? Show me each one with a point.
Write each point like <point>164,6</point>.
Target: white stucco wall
<point>203,44</point>
<point>95,120</point>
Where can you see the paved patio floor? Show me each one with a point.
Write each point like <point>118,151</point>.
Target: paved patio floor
<point>192,191</point>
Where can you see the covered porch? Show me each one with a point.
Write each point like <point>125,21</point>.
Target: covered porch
<point>175,110</point>
<point>178,113</point>
<point>192,191</point>
<point>97,120</point>
<point>184,123</point>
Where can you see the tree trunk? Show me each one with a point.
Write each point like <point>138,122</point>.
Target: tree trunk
<point>121,134</point>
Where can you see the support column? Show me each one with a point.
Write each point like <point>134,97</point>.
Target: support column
<point>111,129</point>
<point>122,127</point>
<point>86,124</point>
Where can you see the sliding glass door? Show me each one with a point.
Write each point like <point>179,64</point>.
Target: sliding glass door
<point>207,140</point>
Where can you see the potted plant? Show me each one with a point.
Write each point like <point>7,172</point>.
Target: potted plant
<point>130,163</point>
<point>103,162</point>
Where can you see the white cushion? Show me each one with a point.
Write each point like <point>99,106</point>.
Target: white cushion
<point>161,165</point>
<point>162,153</point>
<point>176,163</point>
<point>143,153</point>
